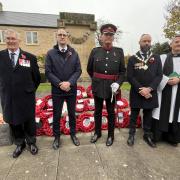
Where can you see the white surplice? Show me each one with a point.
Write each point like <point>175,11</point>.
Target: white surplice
<point>176,68</point>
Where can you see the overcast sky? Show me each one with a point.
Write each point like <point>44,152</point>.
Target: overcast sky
<point>134,17</point>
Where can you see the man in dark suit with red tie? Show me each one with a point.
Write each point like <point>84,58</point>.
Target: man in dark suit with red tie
<point>19,79</point>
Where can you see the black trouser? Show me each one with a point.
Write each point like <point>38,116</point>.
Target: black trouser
<point>147,121</point>
<point>25,131</point>
<point>58,102</point>
<point>98,115</point>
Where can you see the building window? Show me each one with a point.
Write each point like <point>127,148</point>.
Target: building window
<point>31,37</point>
<point>2,37</point>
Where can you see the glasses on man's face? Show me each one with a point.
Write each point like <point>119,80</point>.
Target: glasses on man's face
<point>62,35</point>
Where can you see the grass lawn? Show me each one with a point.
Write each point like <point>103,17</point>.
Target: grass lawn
<point>126,86</point>
<point>46,87</point>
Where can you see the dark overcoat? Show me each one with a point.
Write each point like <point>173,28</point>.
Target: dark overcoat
<point>17,87</point>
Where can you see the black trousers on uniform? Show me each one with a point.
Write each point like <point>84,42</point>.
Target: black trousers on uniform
<point>58,102</point>
<point>98,115</point>
<point>147,121</point>
<point>24,132</point>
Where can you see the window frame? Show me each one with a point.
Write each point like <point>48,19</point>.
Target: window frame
<point>32,38</point>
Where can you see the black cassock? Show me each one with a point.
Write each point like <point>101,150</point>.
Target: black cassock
<point>162,128</point>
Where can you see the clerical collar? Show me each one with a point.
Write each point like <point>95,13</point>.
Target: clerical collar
<point>176,55</point>
<point>63,49</point>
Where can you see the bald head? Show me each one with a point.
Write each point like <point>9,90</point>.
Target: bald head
<point>145,42</point>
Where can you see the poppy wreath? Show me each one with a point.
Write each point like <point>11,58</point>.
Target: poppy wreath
<point>104,120</point>
<point>86,122</point>
<point>122,103</point>
<point>65,125</point>
<point>1,119</point>
<point>80,105</point>
<point>40,105</point>
<point>47,117</point>
<point>81,92</point>
<point>89,104</point>
<point>48,100</point>
<point>64,109</point>
<point>89,91</point>
<point>39,125</point>
<point>122,119</point>
<point>138,122</point>
<point>104,105</point>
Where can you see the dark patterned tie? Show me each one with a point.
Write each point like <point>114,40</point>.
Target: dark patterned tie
<point>63,50</point>
<point>13,60</point>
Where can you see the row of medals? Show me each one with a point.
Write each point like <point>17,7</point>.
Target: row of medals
<point>144,61</point>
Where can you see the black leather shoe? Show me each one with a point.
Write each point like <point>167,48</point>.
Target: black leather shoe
<point>149,141</point>
<point>95,138</point>
<point>33,149</point>
<point>109,141</point>
<point>56,143</point>
<point>172,143</point>
<point>130,140</point>
<point>19,149</point>
<point>75,140</point>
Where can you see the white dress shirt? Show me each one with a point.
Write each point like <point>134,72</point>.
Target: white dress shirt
<point>65,48</point>
<point>16,55</point>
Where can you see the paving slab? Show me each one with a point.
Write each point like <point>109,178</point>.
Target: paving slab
<point>93,161</point>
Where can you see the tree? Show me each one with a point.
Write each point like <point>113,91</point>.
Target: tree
<point>163,48</point>
<point>172,25</point>
<point>100,22</point>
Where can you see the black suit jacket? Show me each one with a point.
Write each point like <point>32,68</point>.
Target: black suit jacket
<point>17,87</point>
<point>144,78</point>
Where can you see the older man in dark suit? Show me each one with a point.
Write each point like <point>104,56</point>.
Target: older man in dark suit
<point>19,79</point>
<point>63,69</point>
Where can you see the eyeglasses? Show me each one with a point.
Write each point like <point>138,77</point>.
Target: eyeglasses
<point>108,34</point>
<point>62,35</point>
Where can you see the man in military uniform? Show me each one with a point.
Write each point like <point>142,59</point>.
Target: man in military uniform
<point>106,69</point>
<point>144,73</point>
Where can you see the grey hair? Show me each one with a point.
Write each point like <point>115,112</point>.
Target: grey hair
<point>176,35</point>
<point>12,31</point>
